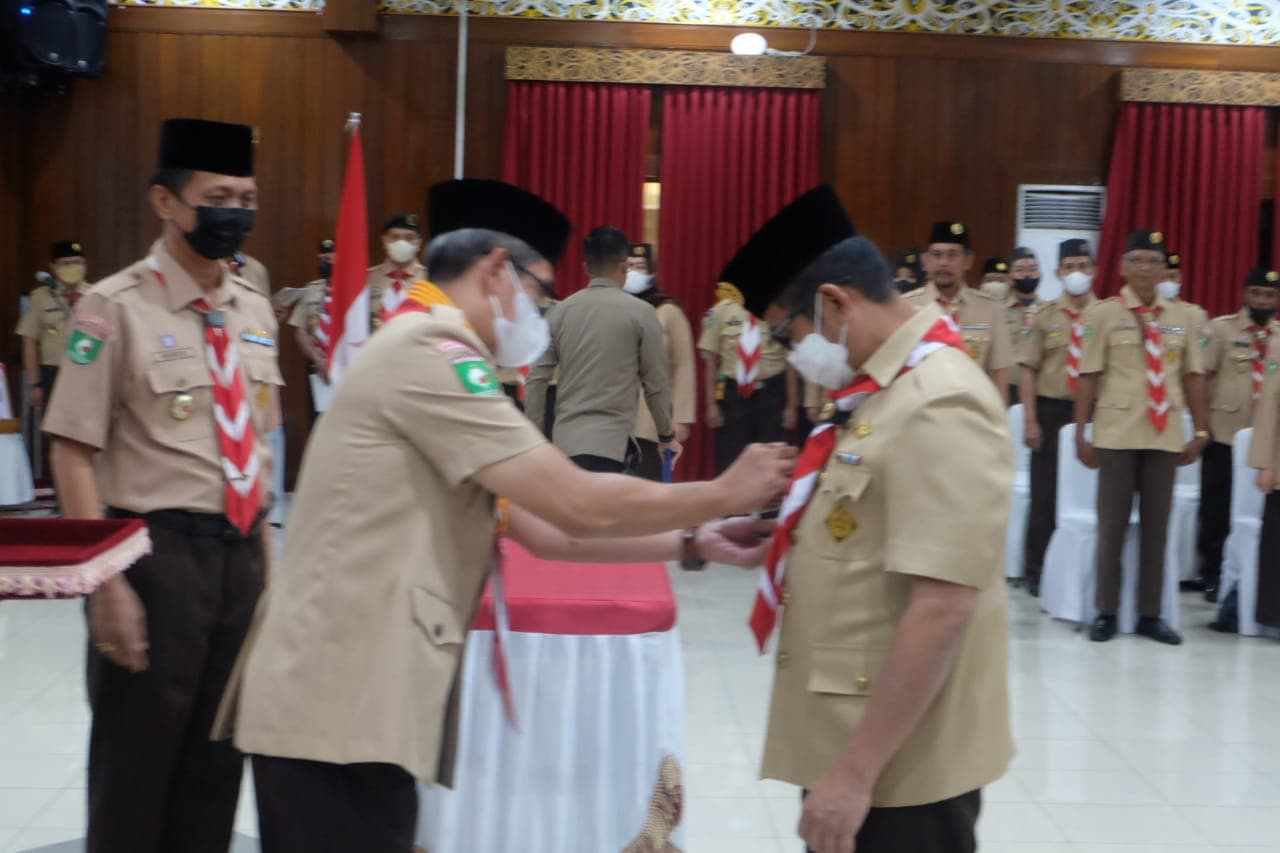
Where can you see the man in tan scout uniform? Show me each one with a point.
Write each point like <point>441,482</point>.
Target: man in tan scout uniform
<point>1050,358</point>
<point>389,281</point>
<point>1170,287</point>
<point>150,362</point>
<point>890,703</point>
<point>1020,307</point>
<point>1141,368</point>
<point>1235,366</point>
<point>1264,454</point>
<point>740,413</point>
<point>43,328</point>
<point>305,319</point>
<point>981,319</point>
<point>682,366</point>
<point>340,717</point>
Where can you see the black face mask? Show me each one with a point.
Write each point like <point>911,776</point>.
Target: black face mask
<point>325,269</point>
<point>904,285</point>
<point>1261,316</point>
<point>1026,286</point>
<point>220,231</point>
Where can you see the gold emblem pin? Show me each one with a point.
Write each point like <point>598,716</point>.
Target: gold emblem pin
<point>1273,276</point>
<point>957,229</point>
<point>264,395</point>
<point>1157,237</point>
<point>975,351</point>
<point>862,430</point>
<point>75,247</point>
<point>828,411</point>
<point>1171,356</point>
<point>1174,260</point>
<point>182,407</point>
<point>840,524</point>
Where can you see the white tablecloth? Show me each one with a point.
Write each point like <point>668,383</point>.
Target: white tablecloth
<point>15,471</point>
<point>579,776</point>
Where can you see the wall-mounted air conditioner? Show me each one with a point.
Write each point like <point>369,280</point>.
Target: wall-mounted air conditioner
<point>1049,214</point>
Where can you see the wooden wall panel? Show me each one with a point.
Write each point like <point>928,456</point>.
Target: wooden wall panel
<point>917,127</point>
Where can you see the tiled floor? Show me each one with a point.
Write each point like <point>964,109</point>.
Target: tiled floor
<point>1131,747</point>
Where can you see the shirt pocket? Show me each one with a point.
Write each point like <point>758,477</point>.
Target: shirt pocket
<point>435,618</point>
<point>976,341</point>
<point>846,670</point>
<point>182,400</point>
<point>837,503</point>
<point>265,380</point>
<point>1124,338</point>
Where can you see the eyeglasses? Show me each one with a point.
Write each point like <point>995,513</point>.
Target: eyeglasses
<point>779,332</point>
<point>1143,261</point>
<point>548,287</point>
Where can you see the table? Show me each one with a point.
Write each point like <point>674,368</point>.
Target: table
<point>598,681</point>
<point>66,557</point>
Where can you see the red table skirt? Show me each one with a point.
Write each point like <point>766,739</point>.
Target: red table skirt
<point>546,597</point>
<point>65,558</point>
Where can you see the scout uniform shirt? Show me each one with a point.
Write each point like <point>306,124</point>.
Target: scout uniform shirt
<point>136,385</point>
<point>46,323</point>
<point>1018,321</point>
<point>356,647</point>
<point>982,325</point>
<point>254,271</point>
<point>1264,449</point>
<point>386,279</point>
<point>1115,347</point>
<point>684,374</point>
<point>918,485</point>
<point>1045,348</point>
<point>1228,356</point>
<point>721,329</point>
<point>308,309</point>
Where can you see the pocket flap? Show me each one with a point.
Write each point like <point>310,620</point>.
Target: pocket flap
<point>846,670</point>
<point>173,376</point>
<point>436,618</point>
<point>263,370</point>
<point>851,483</point>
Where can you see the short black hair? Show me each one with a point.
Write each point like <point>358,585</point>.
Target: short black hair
<point>605,249</point>
<point>450,255</point>
<point>854,262</point>
<point>174,180</point>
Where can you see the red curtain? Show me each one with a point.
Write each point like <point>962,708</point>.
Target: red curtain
<point>582,147</point>
<point>1195,173</point>
<point>731,158</point>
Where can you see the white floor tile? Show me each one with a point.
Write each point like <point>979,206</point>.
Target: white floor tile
<point>68,809</point>
<point>39,771</point>
<point>19,806</point>
<point>1017,823</point>
<point>1236,826</point>
<point>1091,823</point>
<point>36,837</point>
<point>1125,787</point>
<point>738,817</point>
<point>785,814</point>
<point>1216,789</point>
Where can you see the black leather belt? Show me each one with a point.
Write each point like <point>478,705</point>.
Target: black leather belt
<point>203,524</point>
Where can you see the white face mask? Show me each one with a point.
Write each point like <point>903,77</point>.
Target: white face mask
<point>637,282</point>
<point>818,359</point>
<point>997,290</point>
<point>523,338</point>
<point>402,251</point>
<point>1077,283</point>
<point>1169,289</point>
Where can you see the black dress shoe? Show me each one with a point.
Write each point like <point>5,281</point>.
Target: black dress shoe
<point>1211,593</point>
<point>1156,629</point>
<point>1104,628</point>
<point>1033,587</point>
<point>1193,585</point>
<point>1224,626</point>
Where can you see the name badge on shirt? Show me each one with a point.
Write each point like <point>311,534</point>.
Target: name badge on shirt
<point>1172,330</point>
<point>175,354</point>
<point>258,336</point>
<point>975,327</point>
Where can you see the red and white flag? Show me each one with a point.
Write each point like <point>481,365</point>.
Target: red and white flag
<point>345,324</point>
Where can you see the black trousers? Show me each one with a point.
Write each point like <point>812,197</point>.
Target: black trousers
<point>316,807</point>
<point>1268,609</point>
<point>947,826</point>
<point>1151,474</point>
<point>1042,515</point>
<point>1214,522</point>
<point>750,419</point>
<point>601,464</point>
<point>648,462</point>
<point>156,782</point>
<point>48,375</point>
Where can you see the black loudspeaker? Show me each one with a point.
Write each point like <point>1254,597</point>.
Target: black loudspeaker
<point>62,37</point>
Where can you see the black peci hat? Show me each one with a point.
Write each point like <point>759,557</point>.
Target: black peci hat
<point>995,266</point>
<point>786,244</point>
<point>198,145</point>
<point>499,206</point>
<point>1074,248</point>
<point>642,250</point>
<point>403,220</point>
<point>326,246</point>
<point>1146,241</point>
<point>66,249</point>
<point>1262,277</point>
<point>948,231</point>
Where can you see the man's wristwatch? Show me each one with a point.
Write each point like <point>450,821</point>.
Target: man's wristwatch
<point>1202,433</point>
<point>689,559</point>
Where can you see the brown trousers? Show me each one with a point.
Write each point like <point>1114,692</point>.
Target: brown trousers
<point>1042,515</point>
<point>1151,474</point>
<point>157,783</point>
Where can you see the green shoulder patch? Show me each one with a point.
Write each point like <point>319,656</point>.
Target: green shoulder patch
<point>1272,367</point>
<point>83,347</point>
<point>476,376</point>
<point>1087,334</point>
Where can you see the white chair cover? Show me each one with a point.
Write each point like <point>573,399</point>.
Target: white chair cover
<point>16,485</point>
<point>1016,534</point>
<point>1240,554</point>
<point>1069,581</point>
<point>276,439</point>
<point>1180,550</point>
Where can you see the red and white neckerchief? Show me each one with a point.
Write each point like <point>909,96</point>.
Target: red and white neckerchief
<point>748,369</point>
<point>1261,336</point>
<point>1076,346</point>
<point>1157,400</point>
<point>393,294</point>
<point>232,415</point>
<point>421,299</point>
<point>951,307</point>
<point>813,458</point>
<point>524,378</point>
<point>322,320</point>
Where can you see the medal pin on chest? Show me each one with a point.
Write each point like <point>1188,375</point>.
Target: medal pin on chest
<point>840,523</point>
